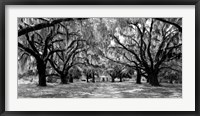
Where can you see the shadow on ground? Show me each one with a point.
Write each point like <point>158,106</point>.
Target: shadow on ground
<point>99,90</point>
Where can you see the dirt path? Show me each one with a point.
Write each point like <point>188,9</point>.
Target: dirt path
<point>106,91</point>
<point>99,90</point>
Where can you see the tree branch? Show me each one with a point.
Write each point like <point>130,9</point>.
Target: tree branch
<point>44,25</point>
<point>165,21</point>
<point>28,50</point>
<point>129,50</point>
<point>52,52</point>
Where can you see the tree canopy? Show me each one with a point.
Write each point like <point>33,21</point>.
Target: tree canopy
<point>148,46</point>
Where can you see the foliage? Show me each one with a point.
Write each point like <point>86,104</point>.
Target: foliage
<point>152,47</point>
<point>146,44</point>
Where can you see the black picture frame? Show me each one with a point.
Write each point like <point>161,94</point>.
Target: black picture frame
<point>98,2</point>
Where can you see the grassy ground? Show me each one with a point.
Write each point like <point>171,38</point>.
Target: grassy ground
<point>99,90</point>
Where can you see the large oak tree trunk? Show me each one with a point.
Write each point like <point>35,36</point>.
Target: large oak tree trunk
<point>153,78</point>
<point>138,79</point>
<point>64,79</point>
<point>41,67</point>
<point>147,80</point>
<point>71,80</point>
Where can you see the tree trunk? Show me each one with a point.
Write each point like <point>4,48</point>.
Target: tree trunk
<point>113,79</point>
<point>71,80</point>
<point>93,79</point>
<point>147,80</point>
<point>153,79</point>
<point>64,79</point>
<point>87,78</point>
<point>41,67</point>
<point>120,79</point>
<point>171,80</point>
<point>160,81</point>
<point>138,80</point>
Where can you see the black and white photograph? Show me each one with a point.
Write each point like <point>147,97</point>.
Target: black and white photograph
<point>99,57</point>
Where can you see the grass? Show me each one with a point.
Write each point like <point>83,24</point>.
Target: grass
<point>125,89</point>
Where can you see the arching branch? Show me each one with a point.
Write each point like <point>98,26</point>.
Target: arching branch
<point>44,25</point>
<point>165,21</point>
